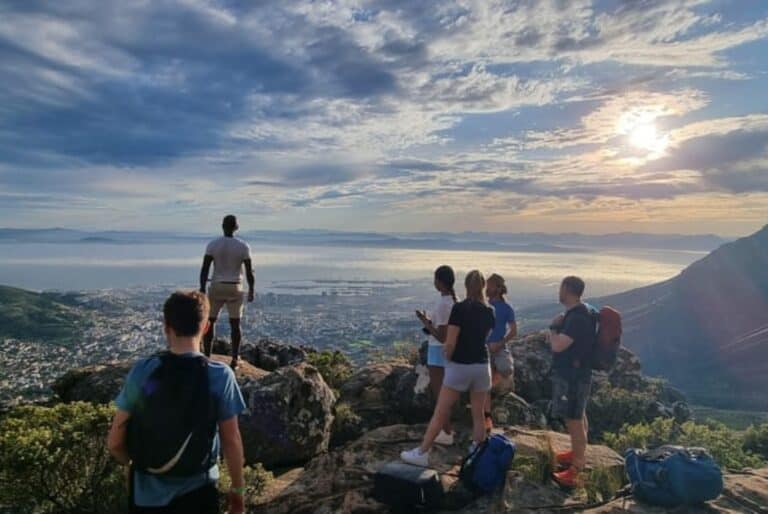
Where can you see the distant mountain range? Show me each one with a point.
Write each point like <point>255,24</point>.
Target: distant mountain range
<point>706,330</point>
<point>487,241</point>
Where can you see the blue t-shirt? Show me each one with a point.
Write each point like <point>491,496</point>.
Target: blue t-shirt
<point>158,490</point>
<point>505,315</point>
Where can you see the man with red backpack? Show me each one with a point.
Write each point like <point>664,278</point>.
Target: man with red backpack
<point>582,339</point>
<point>572,336</point>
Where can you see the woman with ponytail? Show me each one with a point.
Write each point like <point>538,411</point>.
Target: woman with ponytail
<point>503,332</point>
<point>467,367</point>
<point>436,325</point>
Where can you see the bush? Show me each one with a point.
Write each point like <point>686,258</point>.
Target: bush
<point>610,408</point>
<point>54,459</point>
<point>334,366</point>
<point>756,440</point>
<point>347,425</point>
<point>725,445</point>
<point>256,481</point>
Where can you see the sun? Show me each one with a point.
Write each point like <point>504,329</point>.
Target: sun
<point>642,134</point>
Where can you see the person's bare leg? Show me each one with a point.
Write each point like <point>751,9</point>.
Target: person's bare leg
<point>436,375</point>
<point>208,337</point>
<point>586,429</point>
<point>234,326</point>
<point>477,402</point>
<point>445,402</point>
<point>578,442</point>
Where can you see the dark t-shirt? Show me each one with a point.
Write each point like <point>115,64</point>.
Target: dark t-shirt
<point>475,320</point>
<point>579,326</point>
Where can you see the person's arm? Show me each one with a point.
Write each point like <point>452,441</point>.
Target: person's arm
<point>249,277</point>
<point>232,449</point>
<point>511,333</point>
<point>559,341</point>
<point>451,338</point>
<point>116,439</point>
<point>204,271</point>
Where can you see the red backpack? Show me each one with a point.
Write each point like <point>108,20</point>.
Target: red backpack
<point>608,338</point>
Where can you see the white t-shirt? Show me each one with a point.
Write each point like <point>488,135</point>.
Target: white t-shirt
<point>228,255</point>
<point>440,314</point>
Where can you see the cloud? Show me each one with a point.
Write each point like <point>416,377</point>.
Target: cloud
<point>352,102</point>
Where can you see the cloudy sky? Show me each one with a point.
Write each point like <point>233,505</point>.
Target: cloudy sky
<point>551,115</point>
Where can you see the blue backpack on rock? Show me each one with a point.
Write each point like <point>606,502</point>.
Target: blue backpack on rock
<point>485,469</point>
<point>671,476</point>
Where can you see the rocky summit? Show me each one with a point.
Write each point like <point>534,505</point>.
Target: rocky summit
<point>325,446</point>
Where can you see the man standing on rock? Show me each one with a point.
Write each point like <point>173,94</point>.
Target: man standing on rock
<point>572,336</point>
<point>174,412</point>
<point>228,255</point>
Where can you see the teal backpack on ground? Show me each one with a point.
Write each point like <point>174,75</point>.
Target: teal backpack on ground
<point>485,469</point>
<point>671,476</point>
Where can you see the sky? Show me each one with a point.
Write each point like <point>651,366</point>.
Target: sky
<point>513,116</point>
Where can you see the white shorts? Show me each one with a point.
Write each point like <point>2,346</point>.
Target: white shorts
<point>220,294</point>
<point>467,377</point>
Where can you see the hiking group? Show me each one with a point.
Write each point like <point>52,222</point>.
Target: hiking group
<point>178,410</point>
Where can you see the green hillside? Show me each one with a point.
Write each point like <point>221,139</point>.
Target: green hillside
<point>34,316</point>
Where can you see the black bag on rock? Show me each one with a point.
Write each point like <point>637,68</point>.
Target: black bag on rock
<point>408,488</point>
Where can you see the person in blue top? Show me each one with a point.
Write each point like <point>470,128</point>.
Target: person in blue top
<point>185,320</point>
<point>504,331</point>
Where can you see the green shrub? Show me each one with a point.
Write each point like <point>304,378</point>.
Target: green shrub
<point>610,408</point>
<point>256,481</point>
<point>334,366</point>
<point>756,440</point>
<point>725,445</point>
<point>54,459</point>
<point>347,425</point>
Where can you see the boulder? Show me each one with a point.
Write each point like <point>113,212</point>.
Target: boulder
<point>288,416</point>
<point>341,480</point>
<point>388,393</point>
<point>271,355</point>
<point>510,409</point>
<point>101,383</point>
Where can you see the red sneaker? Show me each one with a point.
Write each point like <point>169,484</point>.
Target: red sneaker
<point>568,478</point>
<point>564,457</point>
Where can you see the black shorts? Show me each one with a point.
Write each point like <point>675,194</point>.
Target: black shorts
<point>570,396</point>
<point>203,500</point>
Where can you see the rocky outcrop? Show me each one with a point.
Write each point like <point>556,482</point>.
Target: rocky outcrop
<point>99,383</point>
<point>390,393</point>
<point>341,480</point>
<point>266,354</point>
<point>288,417</point>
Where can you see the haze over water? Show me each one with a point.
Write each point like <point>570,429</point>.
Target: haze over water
<point>313,269</point>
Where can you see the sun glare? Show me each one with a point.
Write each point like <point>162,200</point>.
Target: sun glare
<point>641,132</point>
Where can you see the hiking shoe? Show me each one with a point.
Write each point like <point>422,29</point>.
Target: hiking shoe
<point>415,457</point>
<point>564,457</point>
<point>444,438</point>
<point>568,478</point>
<point>235,363</point>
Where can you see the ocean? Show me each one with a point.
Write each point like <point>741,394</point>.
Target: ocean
<point>531,277</point>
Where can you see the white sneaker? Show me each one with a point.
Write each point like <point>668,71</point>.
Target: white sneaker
<point>415,457</point>
<point>444,438</point>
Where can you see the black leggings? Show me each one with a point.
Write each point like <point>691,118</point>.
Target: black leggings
<point>204,500</point>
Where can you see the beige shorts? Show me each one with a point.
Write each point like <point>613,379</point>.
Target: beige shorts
<point>231,295</point>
